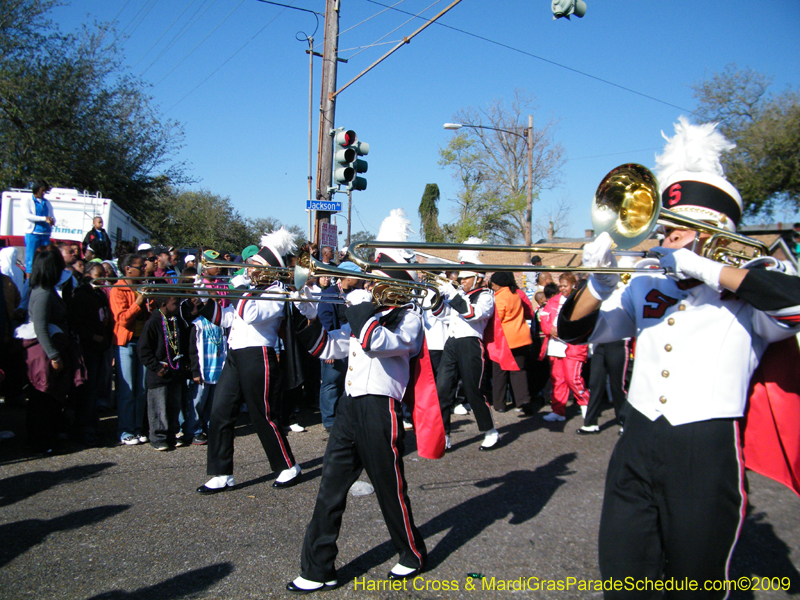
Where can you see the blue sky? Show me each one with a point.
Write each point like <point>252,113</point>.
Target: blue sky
<point>238,78</point>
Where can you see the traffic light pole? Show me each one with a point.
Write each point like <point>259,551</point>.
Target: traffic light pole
<point>327,111</point>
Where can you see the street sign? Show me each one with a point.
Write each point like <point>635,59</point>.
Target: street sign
<point>328,235</point>
<point>322,205</point>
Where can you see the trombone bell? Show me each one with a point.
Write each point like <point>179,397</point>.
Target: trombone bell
<point>627,205</point>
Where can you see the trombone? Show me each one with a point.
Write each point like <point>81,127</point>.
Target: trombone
<point>265,274</point>
<point>626,204</point>
<point>204,293</point>
<point>386,291</point>
<point>432,269</point>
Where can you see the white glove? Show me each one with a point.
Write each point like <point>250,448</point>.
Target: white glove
<point>447,290</point>
<point>685,264</point>
<point>765,262</point>
<point>307,309</point>
<point>358,297</point>
<point>598,254</point>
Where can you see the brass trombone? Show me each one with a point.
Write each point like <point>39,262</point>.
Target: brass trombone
<point>190,291</point>
<point>265,274</point>
<point>626,204</point>
<point>434,268</point>
<point>386,291</point>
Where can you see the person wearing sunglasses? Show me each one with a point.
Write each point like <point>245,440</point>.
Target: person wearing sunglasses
<point>127,307</point>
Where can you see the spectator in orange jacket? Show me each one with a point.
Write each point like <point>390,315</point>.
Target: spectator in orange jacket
<point>511,312</point>
<point>127,307</point>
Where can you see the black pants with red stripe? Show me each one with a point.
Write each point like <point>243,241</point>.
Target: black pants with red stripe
<point>251,374</point>
<point>463,357</point>
<point>673,506</point>
<point>367,435</point>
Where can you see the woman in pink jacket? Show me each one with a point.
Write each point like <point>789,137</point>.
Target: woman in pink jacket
<point>566,360</point>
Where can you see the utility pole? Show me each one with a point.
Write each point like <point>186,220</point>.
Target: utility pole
<point>529,187</point>
<point>327,110</point>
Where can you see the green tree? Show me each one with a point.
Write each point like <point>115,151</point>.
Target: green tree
<point>197,218</point>
<point>489,161</point>
<point>429,214</point>
<point>71,115</point>
<point>363,236</point>
<point>765,165</point>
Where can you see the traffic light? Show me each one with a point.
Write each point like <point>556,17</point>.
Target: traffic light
<point>565,8</point>
<point>347,150</point>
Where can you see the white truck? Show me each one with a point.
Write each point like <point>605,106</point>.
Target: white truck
<point>74,212</point>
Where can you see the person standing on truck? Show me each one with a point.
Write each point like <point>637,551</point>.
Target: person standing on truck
<point>98,239</point>
<point>39,214</point>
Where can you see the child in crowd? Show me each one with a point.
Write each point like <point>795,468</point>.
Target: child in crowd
<point>208,348</point>
<point>161,354</point>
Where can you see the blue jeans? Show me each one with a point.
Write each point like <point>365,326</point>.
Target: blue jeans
<point>331,388</point>
<point>197,411</point>
<point>131,395</point>
<point>32,242</point>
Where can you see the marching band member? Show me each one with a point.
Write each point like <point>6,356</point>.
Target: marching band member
<point>367,434</point>
<point>675,500</point>
<point>468,312</point>
<point>251,372</point>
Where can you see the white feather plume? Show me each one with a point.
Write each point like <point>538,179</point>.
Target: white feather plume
<point>281,241</point>
<point>395,227</point>
<point>694,148</point>
<point>470,256</point>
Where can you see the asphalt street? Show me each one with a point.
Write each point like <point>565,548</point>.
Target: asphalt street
<point>119,522</point>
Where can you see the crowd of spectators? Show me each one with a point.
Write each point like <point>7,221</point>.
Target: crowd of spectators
<point>81,341</point>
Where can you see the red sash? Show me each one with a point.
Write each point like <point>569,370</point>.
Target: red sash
<point>421,396</point>
<point>771,442</point>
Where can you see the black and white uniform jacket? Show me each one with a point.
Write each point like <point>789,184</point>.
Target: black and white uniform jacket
<point>378,355</point>
<point>696,349</point>
<point>253,323</point>
<point>467,313</point>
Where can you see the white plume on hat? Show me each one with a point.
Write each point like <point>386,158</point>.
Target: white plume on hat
<point>395,228</point>
<point>694,148</point>
<point>280,241</point>
<point>470,256</point>
<point>693,155</point>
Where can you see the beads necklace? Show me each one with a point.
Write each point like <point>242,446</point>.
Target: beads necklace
<point>171,340</point>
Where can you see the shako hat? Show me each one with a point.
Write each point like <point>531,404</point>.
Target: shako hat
<point>691,177</point>
<point>274,247</point>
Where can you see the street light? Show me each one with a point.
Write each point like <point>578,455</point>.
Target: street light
<point>529,187</point>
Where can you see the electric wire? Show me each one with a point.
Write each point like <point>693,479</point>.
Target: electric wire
<point>380,12</point>
<point>135,27</point>
<point>186,27</point>
<point>200,43</point>
<point>161,37</point>
<point>395,29</point>
<point>124,6</point>
<point>227,60</point>
<point>547,60</point>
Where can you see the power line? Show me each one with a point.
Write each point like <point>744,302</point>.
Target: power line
<point>144,16</point>
<point>122,33</point>
<point>163,34</point>
<point>186,27</point>
<point>242,47</point>
<point>547,60</point>
<point>392,31</point>
<point>201,42</point>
